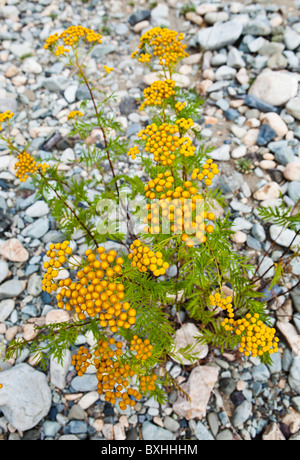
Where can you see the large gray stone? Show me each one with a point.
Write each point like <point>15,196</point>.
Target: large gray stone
<point>25,397</point>
<point>219,35</point>
<point>266,85</point>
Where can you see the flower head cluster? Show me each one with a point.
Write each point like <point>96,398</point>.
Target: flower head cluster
<point>108,69</point>
<point>27,165</point>
<point>70,38</point>
<point>180,207</point>
<point>133,152</point>
<point>111,375</point>
<point>95,289</point>
<point>255,337</point>
<point>158,92</point>
<point>180,106</point>
<point>163,141</point>
<point>75,113</point>
<point>57,254</point>
<point>222,302</point>
<point>145,259</point>
<point>142,348</point>
<point>5,116</point>
<point>208,172</point>
<point>185,123</point>
<point>162,44</point>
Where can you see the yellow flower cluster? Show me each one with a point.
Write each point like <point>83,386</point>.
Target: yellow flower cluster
<point>144,259</point>
<point>5,116</point>
<point>27,165</point>
<point>57,254</point>
<point>95,291</point>
<point>162,142</point>
<point>165,46</point>
<point>75,113</point>
<point>185,123</point>
<point>157,92</point>
<point>180,106</point>
<point>255,337</point>
<point>108,69</point>
<point>222,302</point>
<point>112,376</point>
<point>133,152</point>
<point>70,37</point>
<point>208,172</point>
<point>178,206</point>
<point>142,348</point>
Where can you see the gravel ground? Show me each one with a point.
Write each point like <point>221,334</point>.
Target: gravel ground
<point>253,50</point>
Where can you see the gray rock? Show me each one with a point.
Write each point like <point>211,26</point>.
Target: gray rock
<point>258,27</point>
<point>88,382</point>
<point>121,29</point>
<point>284,155</point>
<point>258,232</point>
<point>260,373</point>
<point>51,428</point>
<point>225,73</point>
<point>219,35</point>
<point>291,38</point>
<point>70,93</point>
<point>99,51</point>
<point>296,403</point>
<point>293,107</point>
<point>77,427</point>
<point>76,413</point>
<point>56,83</point>
<point>6,307</point>
<point>11,288</point>
<point>295,294</point>
<point>222,153</point>
<point>294,190</point>
<point>139,16</point>
<point>241,413</point>
<point>202,433</point>
<point>235,59</point>
<point>34,286</point>
<point>171,425</point>
<point>213,422</point>
<point>3,270</point>
<point>159,15</point>
<point>59,371</point>
<point>266,264</point>
<point>266,85</point>
<point>225,435</point>
<point>151,432</point>
<point>294,375</point>
<point>296,319</point>
<point>37,229</point>
<point>276,366</point>
<point>25,397</point>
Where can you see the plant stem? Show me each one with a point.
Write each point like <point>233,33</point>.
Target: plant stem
<point>70,209</point>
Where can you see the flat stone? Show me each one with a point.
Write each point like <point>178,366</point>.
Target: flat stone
<point>221,154</point>
<point>13,250</point>
<point>292,171</point>
<point>25,397</point>
<point>291,334</point>
<point>198,387</point>
<point>266,85</point>
<point>11,288</point>
<point>293,107</point>
<point>267,192</point>
<point>284,237</point>
<point>38,209</point>
<point>37,229</point>
<point>3,270</point>
<point>6,307</point>
<point>185,336</point>
<point>219,35</point>
<point>151,432</point>
<point>241,414</point>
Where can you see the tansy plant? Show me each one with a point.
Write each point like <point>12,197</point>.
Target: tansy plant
<point>167,252</point>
